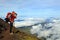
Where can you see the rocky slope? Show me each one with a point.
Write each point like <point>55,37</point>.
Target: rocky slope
<point>18,35</point>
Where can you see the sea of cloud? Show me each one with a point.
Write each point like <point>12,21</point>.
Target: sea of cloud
<point>47,28</point>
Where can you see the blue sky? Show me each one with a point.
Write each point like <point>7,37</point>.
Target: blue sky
<point>31,8</point>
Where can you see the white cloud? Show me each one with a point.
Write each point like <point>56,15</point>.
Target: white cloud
<point>53,32</point>
<point>24,23</point>
<point>36,29</point>
<point>50,30</point>
<point>29,22</point>
<point>44,33</point>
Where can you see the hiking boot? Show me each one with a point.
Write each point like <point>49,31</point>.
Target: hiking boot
<point>11,33</point>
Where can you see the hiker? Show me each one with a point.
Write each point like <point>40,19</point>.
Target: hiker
<point>10,18</point>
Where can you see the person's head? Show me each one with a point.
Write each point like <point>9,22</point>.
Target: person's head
<point>14,13</point>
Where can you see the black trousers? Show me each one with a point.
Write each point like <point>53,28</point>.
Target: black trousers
<point>11,27</point>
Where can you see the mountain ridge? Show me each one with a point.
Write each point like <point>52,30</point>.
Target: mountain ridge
<point>18,34</point>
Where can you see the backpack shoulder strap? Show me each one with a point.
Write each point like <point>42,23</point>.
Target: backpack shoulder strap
<point>9,16</point>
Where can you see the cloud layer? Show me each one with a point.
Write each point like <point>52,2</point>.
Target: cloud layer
<point>49,29</point>
<point>29,22</point>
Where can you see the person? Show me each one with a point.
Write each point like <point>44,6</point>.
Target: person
<point>10,18</point>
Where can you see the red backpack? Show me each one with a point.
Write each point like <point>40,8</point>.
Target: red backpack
<point>8,15</point>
